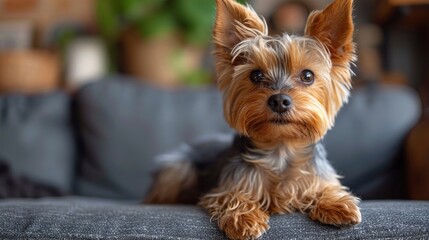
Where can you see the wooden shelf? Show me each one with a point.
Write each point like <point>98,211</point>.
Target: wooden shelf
<point>409,13</point>
<point>408,2</point>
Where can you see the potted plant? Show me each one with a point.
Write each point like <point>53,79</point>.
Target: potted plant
<point>163,41</point>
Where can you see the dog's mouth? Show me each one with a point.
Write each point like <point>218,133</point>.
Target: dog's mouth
<point>280,121</point>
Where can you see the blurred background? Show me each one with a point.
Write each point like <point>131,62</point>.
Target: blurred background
<point>62,45</point>
<point>168,42</point>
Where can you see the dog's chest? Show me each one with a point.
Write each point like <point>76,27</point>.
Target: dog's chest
<point>276,160</point>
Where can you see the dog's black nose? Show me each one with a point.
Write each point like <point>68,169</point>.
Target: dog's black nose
<point>280,103</point>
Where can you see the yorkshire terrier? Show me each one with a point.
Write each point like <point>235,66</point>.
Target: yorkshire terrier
<point>281,95</point>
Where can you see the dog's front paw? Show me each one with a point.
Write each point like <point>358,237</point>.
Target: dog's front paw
<point>250,224</point>
<point>342,211</point>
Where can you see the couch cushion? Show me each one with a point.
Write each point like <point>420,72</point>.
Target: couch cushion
<point>366,140</point>
<point>36,138</point>
<point>124,124</point>
<point>94,219</point>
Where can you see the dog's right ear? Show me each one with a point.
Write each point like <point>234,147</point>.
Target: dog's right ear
<point>235,23</point>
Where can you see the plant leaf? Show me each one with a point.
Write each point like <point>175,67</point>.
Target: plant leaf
<point>106,14</point>
<point>156,24</point>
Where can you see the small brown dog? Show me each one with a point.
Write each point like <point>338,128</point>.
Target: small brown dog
<point>281,94</point>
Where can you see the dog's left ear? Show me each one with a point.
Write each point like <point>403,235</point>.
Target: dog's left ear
<point>334,27</point>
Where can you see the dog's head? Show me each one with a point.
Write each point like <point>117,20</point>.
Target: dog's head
<point>283,87</point>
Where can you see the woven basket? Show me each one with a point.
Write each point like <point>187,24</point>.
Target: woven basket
<point>29,71</point>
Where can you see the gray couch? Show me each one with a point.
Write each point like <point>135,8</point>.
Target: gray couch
<point>97,148</point>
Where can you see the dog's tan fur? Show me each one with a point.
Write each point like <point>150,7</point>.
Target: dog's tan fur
<point>278,175</point>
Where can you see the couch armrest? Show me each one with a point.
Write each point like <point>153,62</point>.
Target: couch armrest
<point>417,154</point>
<point>78,218</point>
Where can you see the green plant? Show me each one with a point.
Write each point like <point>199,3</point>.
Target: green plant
<point>192,20</point>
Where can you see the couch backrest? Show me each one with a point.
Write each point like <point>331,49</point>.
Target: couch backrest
<point>123,124</point>
<point>37,140</point>
<point>365,145</point>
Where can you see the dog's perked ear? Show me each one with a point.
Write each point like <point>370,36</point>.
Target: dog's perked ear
<point>234,23</point>
<point>334,27</point>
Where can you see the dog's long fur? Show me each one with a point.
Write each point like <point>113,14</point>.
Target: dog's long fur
<point>276,163</point>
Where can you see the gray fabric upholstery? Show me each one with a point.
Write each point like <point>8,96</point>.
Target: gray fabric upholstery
<point>36,138</point>
<point>124,124</point>
<point>94,219</point>
<point>367,137</point>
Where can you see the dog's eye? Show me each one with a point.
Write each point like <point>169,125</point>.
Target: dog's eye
<point>256,76</point>
<point>307,77</point>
